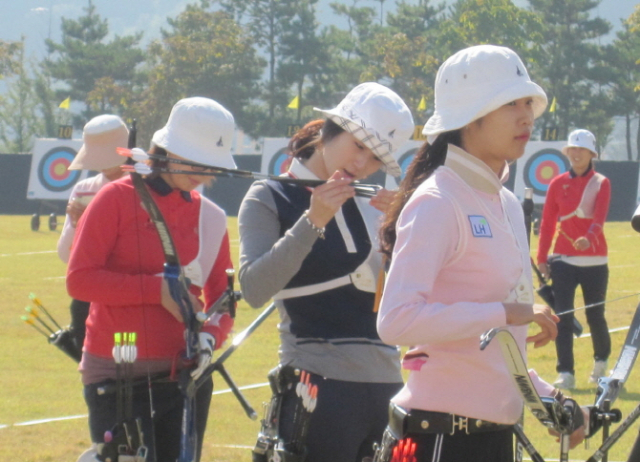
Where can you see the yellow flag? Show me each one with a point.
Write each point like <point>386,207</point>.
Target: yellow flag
<point>65,104</point>
<point>422,106</point>
<point>295,102</point>
<point>552,108</point>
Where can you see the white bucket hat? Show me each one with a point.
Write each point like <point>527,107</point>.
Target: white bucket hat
<point>101,136</point>
<point>476,81</point>
<point>378,117</point>
<point>581,139</point>
<point>199,129</point>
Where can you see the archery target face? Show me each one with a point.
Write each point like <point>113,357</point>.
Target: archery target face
<point>280,162</point>
<point>542,167</point>
<point>53,171</point>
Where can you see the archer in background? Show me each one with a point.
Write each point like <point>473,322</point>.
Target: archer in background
<point>576,207</point>
<point>117,264</point>
<point>101,136</point>
<point>315,252</point>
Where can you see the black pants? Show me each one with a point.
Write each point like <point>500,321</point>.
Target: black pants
<point>477,447</point>
<point>162,432</point>
<point>593,281</point>
<point>348,419</point>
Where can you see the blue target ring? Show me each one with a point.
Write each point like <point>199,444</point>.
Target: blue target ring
<point>542,167</point>
<point>279,163</point>
<point>53,169</point>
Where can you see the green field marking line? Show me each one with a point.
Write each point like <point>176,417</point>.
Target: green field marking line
<point>84,416</point>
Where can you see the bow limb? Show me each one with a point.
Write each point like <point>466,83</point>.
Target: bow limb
<point>180,293</point>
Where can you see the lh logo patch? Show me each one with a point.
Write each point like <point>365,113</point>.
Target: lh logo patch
<point>480,226</point>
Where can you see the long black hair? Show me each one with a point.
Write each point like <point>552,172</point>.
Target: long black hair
<point>428,158</point>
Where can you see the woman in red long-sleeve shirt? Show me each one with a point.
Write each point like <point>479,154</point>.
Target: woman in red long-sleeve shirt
<point>117,264</point>
<point>576,207</point>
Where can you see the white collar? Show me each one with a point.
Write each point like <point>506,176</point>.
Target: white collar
<point>298,170</point>
<point>474,172</point>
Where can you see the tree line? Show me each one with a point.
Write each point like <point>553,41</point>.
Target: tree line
<point>256,56</point>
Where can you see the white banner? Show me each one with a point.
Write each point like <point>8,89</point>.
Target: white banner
<point>49,177</point>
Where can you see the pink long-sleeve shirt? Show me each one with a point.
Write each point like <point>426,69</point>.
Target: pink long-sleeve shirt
<point>461,251</point>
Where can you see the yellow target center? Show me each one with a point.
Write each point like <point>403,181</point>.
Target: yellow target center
<point>546,173</point>
<point>60,169</point>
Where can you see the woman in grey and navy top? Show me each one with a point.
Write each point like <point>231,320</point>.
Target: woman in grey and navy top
<point>314,251</point>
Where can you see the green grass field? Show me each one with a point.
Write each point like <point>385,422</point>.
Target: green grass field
<point>38,382</point>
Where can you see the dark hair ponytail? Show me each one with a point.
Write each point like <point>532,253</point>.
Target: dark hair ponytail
<point>428,158</point>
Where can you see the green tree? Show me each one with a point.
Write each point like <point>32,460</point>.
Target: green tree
<point>19,121</point>
<point>349,46</point>
<point>84,56</point>
<point>571,67</point>
<point>496,22</point>
<point>204,53</point>
<point>623,57</point>
<point>303,56</point>
<point>10,53</point>
<point>265,21</point>
<point>404,54</point>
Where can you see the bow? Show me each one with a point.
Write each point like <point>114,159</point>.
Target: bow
<point>178,289</point>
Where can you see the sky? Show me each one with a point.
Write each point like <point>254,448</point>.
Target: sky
<point>37,20</point>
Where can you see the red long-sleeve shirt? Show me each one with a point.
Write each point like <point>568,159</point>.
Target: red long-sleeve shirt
<point>117,263</point>
<point>563,197</point>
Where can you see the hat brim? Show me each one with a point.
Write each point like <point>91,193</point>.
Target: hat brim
<point>564,149</point>
<point>181,147</point>
<point>443,121</point>
<point>382,150</point>
<point>98,152</point>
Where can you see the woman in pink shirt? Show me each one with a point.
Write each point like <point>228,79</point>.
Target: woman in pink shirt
<point>460,265</point>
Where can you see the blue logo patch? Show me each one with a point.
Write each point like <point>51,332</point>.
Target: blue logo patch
<point>480,226</point>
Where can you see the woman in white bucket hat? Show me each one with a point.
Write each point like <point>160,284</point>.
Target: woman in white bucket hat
<point>117,264</point>
<point>576,207</point>
<point>314,252</point>
<point>460,266</point>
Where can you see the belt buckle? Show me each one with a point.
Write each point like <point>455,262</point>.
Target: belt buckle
<point>459,423</point>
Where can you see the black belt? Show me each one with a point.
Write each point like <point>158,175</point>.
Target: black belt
<point>403,422</point>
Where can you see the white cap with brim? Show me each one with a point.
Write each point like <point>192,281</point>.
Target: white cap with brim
<point>199,129</point>
<point>101,136</point>
<point>581,139</point>
<point>378,117</point>
<point>476,81</point>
